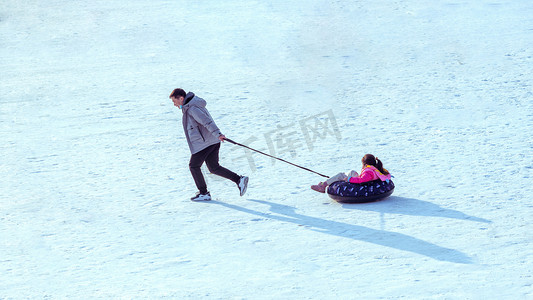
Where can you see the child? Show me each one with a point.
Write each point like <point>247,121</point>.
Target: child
<point>372,170</point>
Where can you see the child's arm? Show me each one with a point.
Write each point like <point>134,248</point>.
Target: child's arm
<point>365,177</point>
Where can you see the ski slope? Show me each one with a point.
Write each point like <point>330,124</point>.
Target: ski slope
<point>94,196</point>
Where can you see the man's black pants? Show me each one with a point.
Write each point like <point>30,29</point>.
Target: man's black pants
<point>210,156</point>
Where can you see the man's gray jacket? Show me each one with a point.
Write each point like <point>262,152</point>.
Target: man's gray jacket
<point>200,128</point>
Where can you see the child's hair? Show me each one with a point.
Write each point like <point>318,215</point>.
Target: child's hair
<point>371,160</point>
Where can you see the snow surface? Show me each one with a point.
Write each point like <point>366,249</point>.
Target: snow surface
<point>95,183</point>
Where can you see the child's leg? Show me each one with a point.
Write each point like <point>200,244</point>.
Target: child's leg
<point>338,177</point>
<point>353,174</point>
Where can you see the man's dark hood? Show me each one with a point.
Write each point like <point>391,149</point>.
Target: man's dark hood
<point>188,97</point>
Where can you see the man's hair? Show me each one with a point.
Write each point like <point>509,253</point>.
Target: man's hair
<point>177,93</point>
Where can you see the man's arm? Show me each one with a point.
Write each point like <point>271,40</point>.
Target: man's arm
<point>205,120</point>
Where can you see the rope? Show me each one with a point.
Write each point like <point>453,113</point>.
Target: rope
<point>233,142</point>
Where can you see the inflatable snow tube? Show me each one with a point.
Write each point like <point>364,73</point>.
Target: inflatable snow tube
<point>347,192</point>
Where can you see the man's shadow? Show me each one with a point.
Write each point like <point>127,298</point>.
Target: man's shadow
<point>390,239</point>
<point>413,207</point>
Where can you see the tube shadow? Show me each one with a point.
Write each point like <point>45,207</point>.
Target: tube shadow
<point>413,207</point>
<point>385,238</point>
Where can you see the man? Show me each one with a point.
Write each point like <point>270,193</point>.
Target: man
<point>203,137</point>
